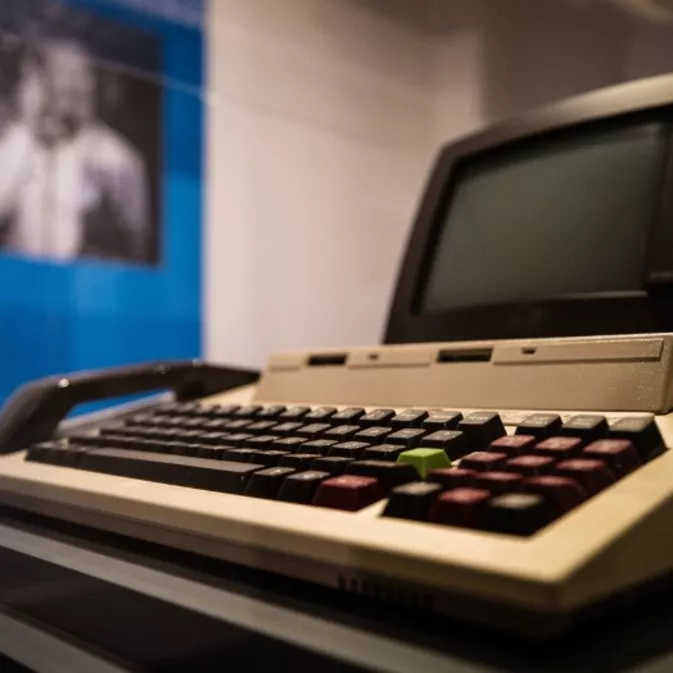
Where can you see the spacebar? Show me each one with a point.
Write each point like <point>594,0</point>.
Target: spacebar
<point>211,475</point>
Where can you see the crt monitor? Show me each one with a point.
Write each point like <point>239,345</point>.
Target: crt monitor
<point>556,224</point>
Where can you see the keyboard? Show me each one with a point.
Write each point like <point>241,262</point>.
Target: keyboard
<point>530,516</point>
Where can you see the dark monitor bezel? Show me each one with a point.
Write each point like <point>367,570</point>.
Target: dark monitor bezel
<point>644,311</point>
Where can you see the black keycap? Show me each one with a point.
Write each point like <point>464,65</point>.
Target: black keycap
<point>540,426</point>
<point>238,439</point>
<point>181,449</point>
<point>376,417</point>
<point>213,475</point>
<point>237,424</point>
<point>194,423</point>
<point>321,446</point>
<point>187,436</point>
<point>267,483</point>
<point>285,429</point>
<point>410,418</point>
<point>412,500</point>
<point>299,461</point>
<point>516,514</point>
<point>312,430</point>
<point>643,432</point>
<point>352,450</point>
<point>270,412</point>
<point>290,444</point>
<point>271,458</point>
<point>214,438</point>
<point>342,432</point>
<point>247,411</point>
<point>389,474</point>
<point>261,441</point>
<point>348,416</point>
<point>260,426</point>
<point>214,425</point>
<point>294,413</point>
<point>51,453</point>
<point>120,430</point>
<point>319,414</point>
<point>211,452</point>
<point>442,420</point>
<point>335,465</point>
<point>481,428</point>
<point>224,410</point>
<point>373,435</point>
<point>409,437</point>
<point>588,427</point>
<point>144,419</point>
<point>183,408</point>
<point>301,487</point>
<point>240,455</point>
<point>388,452</point>
<point>453,442</point>
<point>90,439</point>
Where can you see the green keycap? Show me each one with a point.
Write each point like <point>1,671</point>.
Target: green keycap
<point>424,460</point>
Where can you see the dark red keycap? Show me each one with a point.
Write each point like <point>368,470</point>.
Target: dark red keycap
<point>483,461</point>
<point>560,448</point>
<point>460,507</point>
<point>513,445</point>
<point>497,482</point>
<point>561,492</point>
<point>348,492</point>
<point>530,466</point>
<point>592,475</point>
<point>451,477</point>
<point>620,455</point>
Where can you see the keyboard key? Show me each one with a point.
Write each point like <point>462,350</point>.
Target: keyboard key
<point>212,475</point>
<point>619,455</point>
<point>267,483</point>
<point>312,430</point>
<point>587,427</point>
<point>211,452</point>
<point>424,460</point>
<point>320,414</point>
<point>411,418</point>
<point>51,453</point>
<point>498,482</point>
<point>513,445</point>
<point>412,501</point>
<point>516,514</point>
<point>559,448</point>
<point>321,446</point>
<point>286,429</point>
<point>294,413</point>
<point>561,492</point>
<point>237,424</point>
<point>383,452</point>
<point>452,442</point>
<point>335,465</point>
<point>239,455</point>
<point>592,475</point>
<point>247,411</point>
<point>290,444</point>
<point>260,426</point>
<point>481,428</point>
<point>409,437</point>
<point>643,432</point>
<point>223,410</point>
<point>442,420</point>
<point>301,487</point>
<point>270,412</point>
<point>373,434</point>
<point>271,458</point>
<point>352,450</point>
<point>530,466</point>
<point>342,432</point>
<point>261,442</point>
<point>540,426</point>
<point>462,507</point>
<point>350,415</point>
<point>389,475</point>
<point>376,417</point>
<point>348,492</point>
<point>237,439</point>
<point>299,461</point>
<point>483,461</point>
<point>451,477</point>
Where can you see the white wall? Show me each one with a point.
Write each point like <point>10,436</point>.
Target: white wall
<point>318,146</point>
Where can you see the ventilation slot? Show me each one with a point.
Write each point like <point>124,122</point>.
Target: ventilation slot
<point>471,355</point>
<point>386,592</point>
<point>327,360</point>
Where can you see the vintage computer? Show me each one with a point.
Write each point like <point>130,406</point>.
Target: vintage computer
<point>502,458</point>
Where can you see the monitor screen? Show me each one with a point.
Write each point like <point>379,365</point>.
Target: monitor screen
<point>556,218</point>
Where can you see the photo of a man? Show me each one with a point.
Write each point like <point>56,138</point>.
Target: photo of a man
<point>72,185</point>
